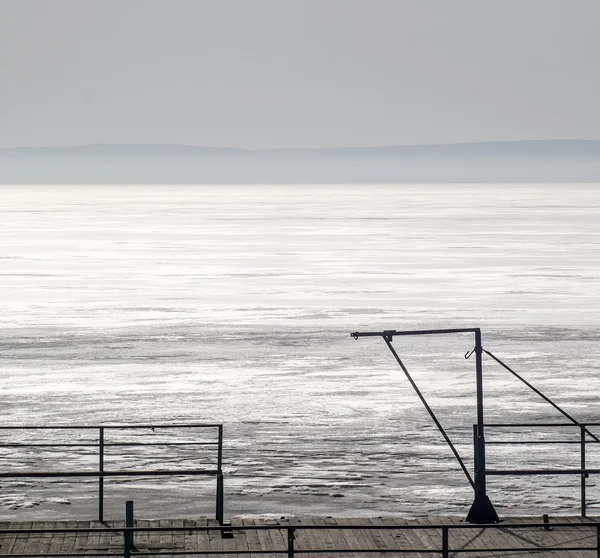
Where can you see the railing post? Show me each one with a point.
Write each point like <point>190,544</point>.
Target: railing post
<point>220,503</point>
<point>598,541</point>
<point>219,507</point>
<point>583,475</point>
<point>100,476</point>
<point>291,537</point>
<point>127,532</point>
<point>220,448</point>
<point>126,545</point>
<point>474,450</point>
<point>482,509</point>
<point>445,548</point>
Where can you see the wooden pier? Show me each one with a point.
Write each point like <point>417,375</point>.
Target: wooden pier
<point>367,538</point>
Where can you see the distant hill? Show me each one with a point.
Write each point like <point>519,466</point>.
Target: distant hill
<point>512,162</point>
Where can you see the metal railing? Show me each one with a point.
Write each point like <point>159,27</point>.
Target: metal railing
<point>582,471</point>
<point>102,444</point>
<point>291,548</point>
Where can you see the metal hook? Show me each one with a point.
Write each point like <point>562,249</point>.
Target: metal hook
<point>469,353</point>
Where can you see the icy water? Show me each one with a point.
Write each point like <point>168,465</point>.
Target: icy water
<point>234,304</point>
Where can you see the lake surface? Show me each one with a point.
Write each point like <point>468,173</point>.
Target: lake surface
<point>234,304</point>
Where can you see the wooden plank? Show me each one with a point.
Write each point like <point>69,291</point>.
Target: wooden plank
<point>417,538</point>
<point>56,540</point>
<point>304,538</point>
<point>215,541</point>
<point>201,538</point>
<point>489,537</point>
<point>393,539</point>
<point>347,538</point>
<point>68,541</point>
<point>165,538</point>
<point>33,540</point>
<point>3,525</point>
<point>531,538</point>
<point>280,536</point>
<point>178,536</point>
<point>252,539</point>
<point>367,538</point>
<point>153,540</point>
<point>485,539</point>
<point>336,535</point>
<point>189,537</point>
<point>323,539</point>
<point>540,537</point>
<point>46,539</point>
<point>93,538</point>
<point>264,539</point>
<point>277,537</point>
<point>141,539</point>
<point>108,540</point>
<point>238,542</point>
<point>573,536</point>
<point>9,540</point>
<point>81,539</point>
<point>22,538</point>
<point>459,539</point>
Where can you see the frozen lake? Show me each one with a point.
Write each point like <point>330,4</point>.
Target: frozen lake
<point>234,304</point>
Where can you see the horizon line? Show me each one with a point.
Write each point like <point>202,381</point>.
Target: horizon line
<point>267,149</point>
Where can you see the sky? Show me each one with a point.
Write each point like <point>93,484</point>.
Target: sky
<point>297,73</point>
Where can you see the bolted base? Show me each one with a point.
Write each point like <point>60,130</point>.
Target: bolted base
<point>226,533</point>
<point>482,511</point>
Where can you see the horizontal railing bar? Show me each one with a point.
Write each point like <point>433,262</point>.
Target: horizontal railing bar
<point>536,442</point>
<point>532,424</point>
<point>394,527</point>
<point>522,472</point>
<point>206,552</point>
<point>434,551</point>
<point>285,551</point>
<point>106,444</point>
<point>106,426</point>
<point>48,555</point>
<point>534,549</point>
<point>393,332</point>
<point>519,551</point>
<point>97,474</point>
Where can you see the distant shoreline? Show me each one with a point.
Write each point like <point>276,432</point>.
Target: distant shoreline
<point>547,161</point>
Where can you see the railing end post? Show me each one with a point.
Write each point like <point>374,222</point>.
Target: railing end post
<point>445,545</point>
<point>101,474</point>
<point>127,532</point>
<point>219,512</point>
<point>291,537</point>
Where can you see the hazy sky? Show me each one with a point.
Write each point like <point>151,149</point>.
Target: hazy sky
<point>273,73</point>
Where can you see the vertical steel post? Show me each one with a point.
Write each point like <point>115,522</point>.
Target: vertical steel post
<point>100,476</point>
<point>220,448</point>
<point>219,506</point>
<point>475,450</point>
<point>290,538</point>
<point>126,545</point>
<point>482,510</point>
<point>220,503</point>
<point>583,475</point>
<point>445,546</point>
<point>480,481</point>
<point>128,533</point>
<point>598,541</point>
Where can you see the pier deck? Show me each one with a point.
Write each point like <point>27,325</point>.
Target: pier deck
<point>481,541</point>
